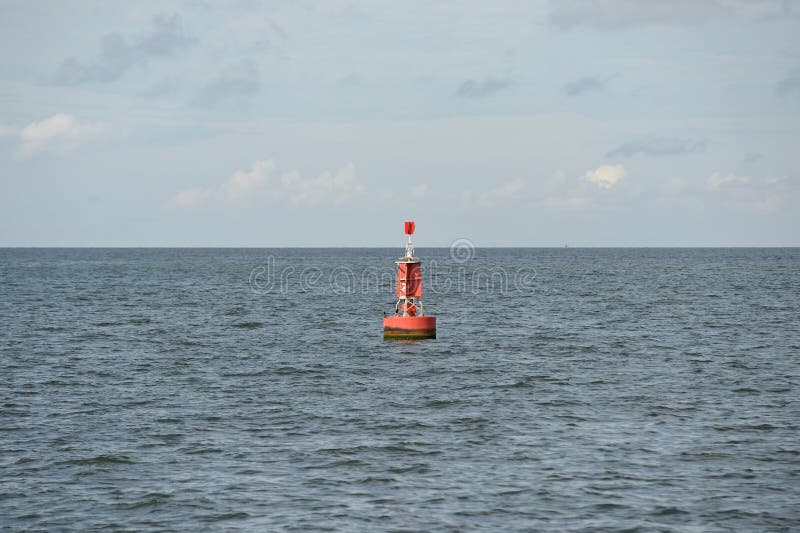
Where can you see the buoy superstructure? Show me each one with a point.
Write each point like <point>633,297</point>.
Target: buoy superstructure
<point>409,320</point>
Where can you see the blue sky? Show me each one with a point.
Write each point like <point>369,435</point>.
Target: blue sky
<point>327,123</point>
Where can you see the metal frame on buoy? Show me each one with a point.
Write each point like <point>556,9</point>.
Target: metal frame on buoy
<point>407,305</point>
<point>409,319</point>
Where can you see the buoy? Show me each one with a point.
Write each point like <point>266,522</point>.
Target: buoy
<point>409,320</point>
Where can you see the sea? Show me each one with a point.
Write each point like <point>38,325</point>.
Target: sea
<point>568,389</point>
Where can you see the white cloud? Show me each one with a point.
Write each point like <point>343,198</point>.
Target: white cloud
<point>675,185</point>
<point>509,189</point>
<point>59,133</point>
<point>770,203</point>
<point>238,187</point>
<point>557,181</point>
<point>241,183</point>
<point>775,180</point>
<point>717,180</point>
<point>506,192</point>
<point>386,196</point>
<point>764,195</point>
<point>332,188</point>
<point>560,193</point>
<point>605,176</point>
<point>7,131</point>
<point>419,191</point>
<point>192,197</point>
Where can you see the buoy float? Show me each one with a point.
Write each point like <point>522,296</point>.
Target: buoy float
<point>409,320</point>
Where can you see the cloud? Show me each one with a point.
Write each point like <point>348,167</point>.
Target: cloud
<point>263,34</point>
<point>789,86</point>
<point>582,85</point>
<point>675,185</point>
<point>419,191</point>
<point>765,195</point>
<point>658,146</point>
<point>327,188</point>
<point>585,85</point>
<point>505,193</point>
<point>717,180</point>
<point>779,195</point>
<point>776,180</point>
<point>384,196</point>
<point>473,89</point>
<point>192,197</point>
<point>259,181</point>
<point>238,187</point>
<point>617,14</point>
<point>232,87</point>
<point>117,55</point>
<point>605,176</point>
<point>508,190</point>
<point>770,203</point>
<point>59,133</point>
<point>241,183</point>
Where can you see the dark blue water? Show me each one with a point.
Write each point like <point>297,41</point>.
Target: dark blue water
<point>574,389</point>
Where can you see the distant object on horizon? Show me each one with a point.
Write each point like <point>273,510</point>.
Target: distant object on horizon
<point>409,320</point>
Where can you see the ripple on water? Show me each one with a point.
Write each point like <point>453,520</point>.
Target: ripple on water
<point>248,325</point>
<point>621,398</point>
<point>100,460</point>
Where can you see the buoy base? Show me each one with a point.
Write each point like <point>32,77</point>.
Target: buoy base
<point>409,327</point>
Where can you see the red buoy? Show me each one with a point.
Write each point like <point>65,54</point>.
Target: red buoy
<point>409,320</point>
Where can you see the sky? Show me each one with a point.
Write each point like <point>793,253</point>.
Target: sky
<point>329,123</point>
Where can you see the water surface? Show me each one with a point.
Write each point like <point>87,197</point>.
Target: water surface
<point>187,389</point>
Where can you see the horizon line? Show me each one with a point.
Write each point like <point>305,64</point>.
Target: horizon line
<point>261,247</point>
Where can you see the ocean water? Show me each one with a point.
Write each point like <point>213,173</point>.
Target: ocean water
<point>251,389</point>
